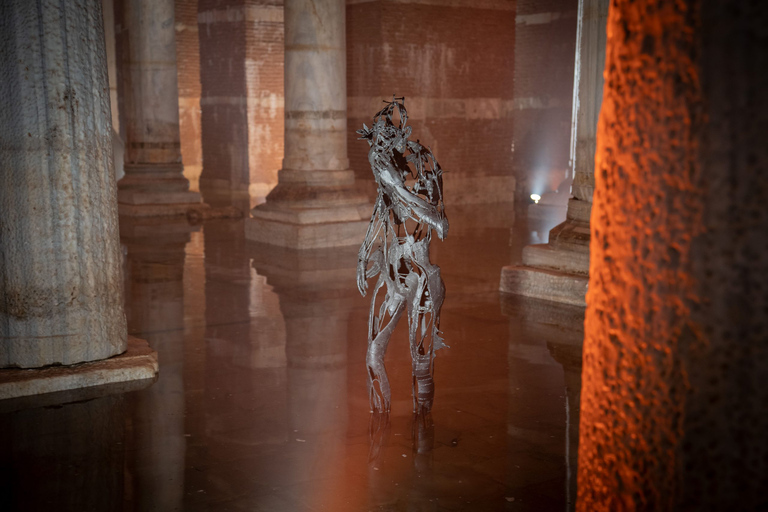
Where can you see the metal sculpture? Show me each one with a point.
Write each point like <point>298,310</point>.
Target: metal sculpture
<point>409,205</point>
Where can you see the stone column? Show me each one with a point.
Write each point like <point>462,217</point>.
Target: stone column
<point>315,203</point>
<point>559,269</point>
<point>118,146</point>
<point>59,251</point>
<point>154,184</point>
<point>673,406</point>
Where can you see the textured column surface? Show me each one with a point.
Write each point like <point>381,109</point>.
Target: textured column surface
<point>676,349</point>
<point>60,290</point>
<point>314,203</point>
<point>154,183</point>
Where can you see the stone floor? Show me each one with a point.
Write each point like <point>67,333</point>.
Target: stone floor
<point>261,402</point>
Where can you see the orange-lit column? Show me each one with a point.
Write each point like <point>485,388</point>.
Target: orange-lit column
<point>676,333</point>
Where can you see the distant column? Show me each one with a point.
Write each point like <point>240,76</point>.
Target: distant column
<point>60,289</point>
<point>559,270</point>
<point>315,203</point>
<point>154,184</point>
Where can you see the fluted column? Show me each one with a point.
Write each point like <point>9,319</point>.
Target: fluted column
<point>315,203</point>
<point>154,184</point>
<point>60,289</point>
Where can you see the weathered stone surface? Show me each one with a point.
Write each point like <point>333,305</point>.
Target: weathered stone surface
<point>676,334</point>
<point>138,362</point>
<point>59,251</point>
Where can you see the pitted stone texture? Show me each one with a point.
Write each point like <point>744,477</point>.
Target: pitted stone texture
<point>59,251</point>
<point>676,346</point>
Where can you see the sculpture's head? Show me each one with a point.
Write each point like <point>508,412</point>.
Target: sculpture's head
<point>384,134</point>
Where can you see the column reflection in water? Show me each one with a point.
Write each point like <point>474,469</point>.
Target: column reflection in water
<point>154,269</point>
<point>316,290</point>
<point>544,402</point>
<point>63,457</point>
<point>245,374</point>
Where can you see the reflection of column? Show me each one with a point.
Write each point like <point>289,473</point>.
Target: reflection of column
<point>153,184</point>
<point>558,270</point>
<point>64,458</point>
<point>314,204</point>
<point>245,336</point>
<point>536,424</point>
<point>59,255</point>
<point>566,350</point>
<point>155,308</point>
<point>673,409</point>
<point>315,299</point>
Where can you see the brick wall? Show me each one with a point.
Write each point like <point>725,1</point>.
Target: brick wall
<point>454,62</point>
<point>264,72</point>
<point>241,71</point>
<point>188,69</point>
<point>545,44</point>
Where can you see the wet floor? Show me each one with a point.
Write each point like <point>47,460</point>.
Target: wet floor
<point>261,401</point>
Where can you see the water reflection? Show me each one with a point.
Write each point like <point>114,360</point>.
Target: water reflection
<point>154,288</point>
<point>63,457</point>
<point>553,335</point>
<point>315,301</point>
<point>261,401</point>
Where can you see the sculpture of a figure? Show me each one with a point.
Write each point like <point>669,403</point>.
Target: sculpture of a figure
<point>408,207</point>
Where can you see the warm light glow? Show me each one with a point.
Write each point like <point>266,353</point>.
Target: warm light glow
<point>536,198</point>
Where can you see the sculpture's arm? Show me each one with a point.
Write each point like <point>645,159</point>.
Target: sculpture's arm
<point>374,228</point>
<point>423,211</point>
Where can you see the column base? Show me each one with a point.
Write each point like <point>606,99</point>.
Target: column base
<point>311,228</point>
<point>155,190</point>
<point>160,210</point>
<point>138,362</point>
<point>311,209</point>
<point>545,284</point>
<point>557,271</point>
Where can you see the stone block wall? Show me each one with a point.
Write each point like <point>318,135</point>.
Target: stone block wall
<point>454,63</point>
<point>188,67</point>
<point>241,70</point>
<point>545,44</point>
